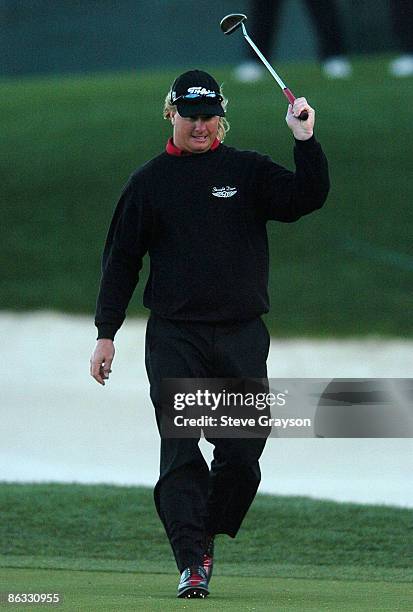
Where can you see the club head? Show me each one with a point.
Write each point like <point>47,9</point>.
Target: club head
<point>232,22</point>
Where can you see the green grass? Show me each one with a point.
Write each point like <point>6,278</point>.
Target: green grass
<point>109,527</point>
<point>103,548</point>
<point>100,591</point>
<point>69,144</point>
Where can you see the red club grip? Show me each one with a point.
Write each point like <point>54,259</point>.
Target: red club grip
<point>290,96</point>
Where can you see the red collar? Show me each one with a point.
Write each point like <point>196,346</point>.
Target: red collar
<point>173,150</point>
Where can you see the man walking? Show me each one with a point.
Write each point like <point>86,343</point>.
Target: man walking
<point>200,209</point>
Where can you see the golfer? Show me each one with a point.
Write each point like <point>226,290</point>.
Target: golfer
<point>200,209</point>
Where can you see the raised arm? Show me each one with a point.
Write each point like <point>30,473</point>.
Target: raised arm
<point>286,195</point>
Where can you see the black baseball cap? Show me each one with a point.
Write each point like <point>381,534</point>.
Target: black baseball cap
<point>197,93</point>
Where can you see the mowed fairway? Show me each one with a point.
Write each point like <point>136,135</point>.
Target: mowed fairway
<point>120,591</point>
<point>103,548</point>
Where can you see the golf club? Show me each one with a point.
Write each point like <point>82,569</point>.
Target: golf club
<point>232,22</point>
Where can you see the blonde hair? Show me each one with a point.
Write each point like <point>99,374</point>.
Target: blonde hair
<point>223,125</point>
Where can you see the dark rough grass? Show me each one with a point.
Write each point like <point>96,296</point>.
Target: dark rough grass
<point>116,528</point>
<point>69,144</point>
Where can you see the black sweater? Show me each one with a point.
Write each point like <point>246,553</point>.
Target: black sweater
<point>202,219</point>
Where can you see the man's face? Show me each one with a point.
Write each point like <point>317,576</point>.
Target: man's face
<point>194,134</point>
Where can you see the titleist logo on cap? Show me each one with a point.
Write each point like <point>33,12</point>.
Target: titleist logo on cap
<point>201,91</point>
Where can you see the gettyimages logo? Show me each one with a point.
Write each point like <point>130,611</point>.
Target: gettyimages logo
<point>287,408</point>
<point>224,192</point>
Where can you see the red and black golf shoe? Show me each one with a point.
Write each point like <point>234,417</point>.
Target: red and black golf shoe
<point>193,583</point>
<point>208,559</point>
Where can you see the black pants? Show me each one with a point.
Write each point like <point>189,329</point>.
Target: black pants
<point>402,18</point>
<point>193,501</point>
<point>324,15</point>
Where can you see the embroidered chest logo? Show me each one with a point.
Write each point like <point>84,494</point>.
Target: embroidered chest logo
<point>224,192</point>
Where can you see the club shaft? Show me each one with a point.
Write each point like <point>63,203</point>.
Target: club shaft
<point>262,58</point>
